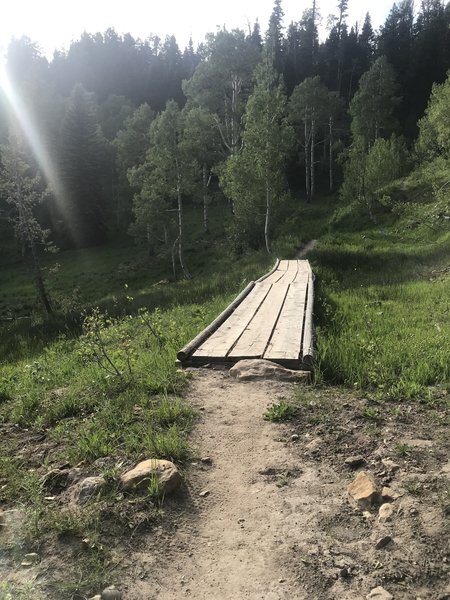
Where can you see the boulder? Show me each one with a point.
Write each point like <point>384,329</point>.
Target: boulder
<point>251,369</point>
<point>363,490</point>
<point>168,476</point>
<point>87,489</point>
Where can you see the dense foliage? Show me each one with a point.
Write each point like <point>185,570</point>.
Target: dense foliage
<point>126,132</point>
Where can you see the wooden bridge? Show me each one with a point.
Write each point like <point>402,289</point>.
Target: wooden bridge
<point>271,319</point>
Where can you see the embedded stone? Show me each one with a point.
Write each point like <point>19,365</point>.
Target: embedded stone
<point>363,490</point>
<point>379,593</point>
<point>165,472</point>
<point>259,368</point>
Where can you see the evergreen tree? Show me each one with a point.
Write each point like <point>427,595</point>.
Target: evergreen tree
<point>274,37</point>
<point>82,167</point>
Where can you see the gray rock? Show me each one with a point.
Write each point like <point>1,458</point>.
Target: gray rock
<point>390,465</point>
<point>111,593</point>
<point>87,489</point>
<point>204,493</point>
<point>379,593</point>
<point>206,460</point>
<point>294,437</point>
<point>383,542</point>
<point>354,461</point>
<point>96,597</point>
<point>166,473</point>
<point>258,368</point>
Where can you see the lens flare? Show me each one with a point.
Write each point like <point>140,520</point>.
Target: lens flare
<point>22,120</point>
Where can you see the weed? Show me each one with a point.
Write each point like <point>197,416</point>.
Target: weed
<point>282,411</point>
<point>372,413</point>
<point>414,487</point>
<point>404,449</point>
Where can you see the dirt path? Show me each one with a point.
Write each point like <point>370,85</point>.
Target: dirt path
<point>241,545</point>
<point>277,522</point>
<point>306,248</point>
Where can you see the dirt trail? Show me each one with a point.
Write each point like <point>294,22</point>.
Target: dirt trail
<point>277,522</point>
<point>306,248</point>
<point>241,544</point>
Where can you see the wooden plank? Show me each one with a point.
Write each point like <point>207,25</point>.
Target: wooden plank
<point>286,340</point>
<point>279,273</point>
<point>203,335</point>
<point>308,347</point>
<point>253,342</point>
<point>228,333</point>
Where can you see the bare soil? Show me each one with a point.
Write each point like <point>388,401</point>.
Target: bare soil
<point>269,517</point>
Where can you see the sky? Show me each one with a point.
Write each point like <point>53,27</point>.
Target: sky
<point>55,23</point>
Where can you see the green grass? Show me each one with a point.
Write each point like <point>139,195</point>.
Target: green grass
<point>383,310</point>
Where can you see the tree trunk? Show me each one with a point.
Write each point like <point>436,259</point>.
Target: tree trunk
<point>205,199</point>
<point>312,165</point>
<point>330,158</point>
<point>266,224</point>
<point>39,282</point>
<point>180,230</point>
<point>307,157</point>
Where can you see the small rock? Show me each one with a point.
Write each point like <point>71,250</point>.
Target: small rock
<point>97,597</point>
<point>206,460</point>
<point>383,542</point>
<point>363,490</point>
<point>354,461</point>
<point>204,493</point>
<point>390,464</point>
<point>385,513</point>
<point>87,489</point>
<point>251,369</point>
<point>379,593</point>
<point>294,437</point>
<point>30,559</point>
<point>111,593</point>
<point>344,573</point>
<point>168,476</point>
<point>388,494</point>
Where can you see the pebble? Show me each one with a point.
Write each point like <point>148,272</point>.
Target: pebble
<point>204,493</point>
<point>294,437</point>
<point>383,542</point>
<point>379,593</point>
<point>111,593</point>
<point>390,464</point>
<point>354,461</point>
<point>206,460</point>
<point>385,513</point>
<point>30,559</point>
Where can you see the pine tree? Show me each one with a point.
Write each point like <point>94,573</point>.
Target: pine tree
<point>82,153</point>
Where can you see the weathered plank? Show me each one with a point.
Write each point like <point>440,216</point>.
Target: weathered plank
<point>220,342</point>
<point>254,340</point>
<point>273,321</point>
<point>308,347</point>
<point>203,335</point>
<point>286,339</point>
